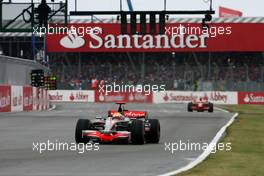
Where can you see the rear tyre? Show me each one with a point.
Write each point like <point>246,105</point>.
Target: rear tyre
<point>82,124</point>
<point>153,136</point>
<point>137,132</point>
<point>189,107</point>
<point>211,107</point>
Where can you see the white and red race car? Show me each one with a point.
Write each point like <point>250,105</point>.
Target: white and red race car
<point>119,126</point>
<point>200,106</point>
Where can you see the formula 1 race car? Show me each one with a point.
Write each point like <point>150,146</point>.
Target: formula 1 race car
<point>119,126</point>
<point>200,106</point>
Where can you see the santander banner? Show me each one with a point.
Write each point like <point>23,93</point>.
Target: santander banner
<point>71,96</point>
<point>5,98</point>
<point>27,98</point>
<point>251,98</point>
<point>129,97</point>
<point>22,98</point>
<point>186,97</point>
<point>227,12</point>
<point>179,37</point>
<point>17,98</point>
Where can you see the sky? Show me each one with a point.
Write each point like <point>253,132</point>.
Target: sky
<point>250,8</point>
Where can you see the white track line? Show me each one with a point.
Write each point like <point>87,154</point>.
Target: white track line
<point>207,152</point>
<point>223,110</point>
<point>52,107</point>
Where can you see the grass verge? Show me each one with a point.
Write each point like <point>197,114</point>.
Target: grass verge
<point>247,155</point>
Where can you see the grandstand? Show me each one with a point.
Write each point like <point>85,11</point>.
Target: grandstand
<point>178,71</point>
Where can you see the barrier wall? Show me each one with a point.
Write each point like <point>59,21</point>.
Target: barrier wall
<point>22,98</point>
<point>16,71</point>
<point>251,98</point>
<point>5,98</point>
<point>71,96</point>
<point>216,97</point>
<point>27,98</point>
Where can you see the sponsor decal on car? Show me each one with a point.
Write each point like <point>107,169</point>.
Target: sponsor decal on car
<point>130,97</point>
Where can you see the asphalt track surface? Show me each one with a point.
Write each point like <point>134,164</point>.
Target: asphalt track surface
<point>18,132</point>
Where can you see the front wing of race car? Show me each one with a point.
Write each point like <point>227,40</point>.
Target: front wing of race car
<point>106,137</point>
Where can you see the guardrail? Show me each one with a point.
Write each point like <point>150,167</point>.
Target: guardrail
<point>23,98</point>
<point>27,98</point>
<point>216,97</point>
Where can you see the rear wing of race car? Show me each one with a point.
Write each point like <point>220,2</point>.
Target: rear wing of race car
<point>130,114</point>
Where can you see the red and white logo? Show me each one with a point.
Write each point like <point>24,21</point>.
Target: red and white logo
<point>56,97</point>
<point>134,113</point>
<point>79,96</point>
<point>251,97</point>
<point>17,98</point>
<point>5,98</point>
<point>134,97</point>
<point>185,97</point>
<point>71,95</point>
<point>75,38</point>
<point>72,40</point>
<point>27,98</point>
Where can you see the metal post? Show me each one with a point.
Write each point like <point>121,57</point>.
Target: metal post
<point>10,48</point>
<point>143,67</point>
<point>110,71</point>
<point>33,46</point>
<point>45,49</point>
<point>1,15</point>
<point>211,4</point>
<point>32,18</point>
<point>79,64</point>
<point>33,39</point>
<point>174,74</point>
<point>75,4</point>
<point>174,69</point>
<point>209,66</point>
<point>18,49</point>
<point>165,5</point>
<point>261,84</point>
<point>66,12</point>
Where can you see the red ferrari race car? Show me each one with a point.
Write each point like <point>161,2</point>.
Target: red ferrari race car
<point>119,126</point>
<point>200,106</point>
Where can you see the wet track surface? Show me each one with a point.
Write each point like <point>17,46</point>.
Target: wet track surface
<point>18,131</point>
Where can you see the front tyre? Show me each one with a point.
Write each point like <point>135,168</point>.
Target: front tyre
<point>137,132</point>
<point>82,124</point>
<point>211,107</point>
<point>153,135</point>
<point>189,107</point>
